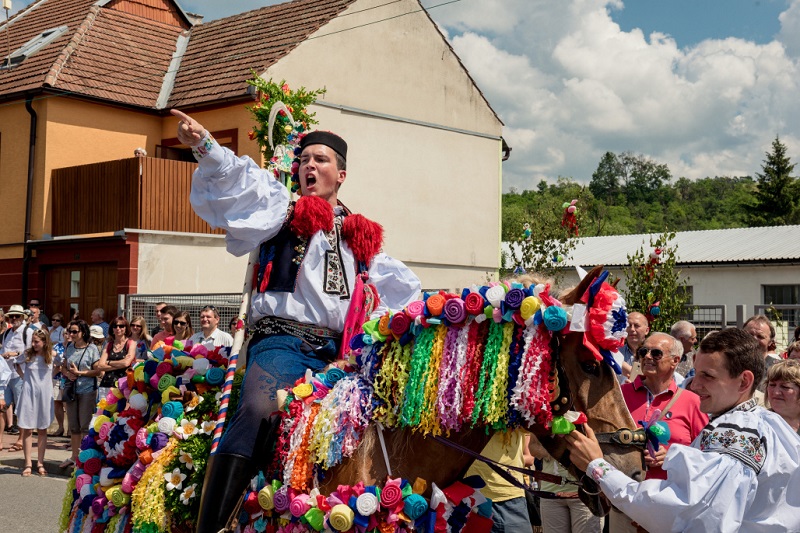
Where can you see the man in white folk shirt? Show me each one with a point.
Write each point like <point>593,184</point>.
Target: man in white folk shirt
<point>210,335</point>
<point>740,474</point>
<point>312,253</point>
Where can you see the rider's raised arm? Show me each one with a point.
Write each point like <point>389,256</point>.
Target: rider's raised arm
<point>233,193</point>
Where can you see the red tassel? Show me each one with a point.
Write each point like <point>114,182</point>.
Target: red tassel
<point>363,236</point>
<point>311,214</point>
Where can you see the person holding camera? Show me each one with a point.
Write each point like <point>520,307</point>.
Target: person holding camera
<point>80,386</point>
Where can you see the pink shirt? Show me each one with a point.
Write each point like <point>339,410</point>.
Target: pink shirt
<point>685,420</point>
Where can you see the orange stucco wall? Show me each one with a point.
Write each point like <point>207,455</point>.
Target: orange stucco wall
<point>225,118</point>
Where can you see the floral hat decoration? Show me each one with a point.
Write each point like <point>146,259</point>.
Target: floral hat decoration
<point>605,321</point>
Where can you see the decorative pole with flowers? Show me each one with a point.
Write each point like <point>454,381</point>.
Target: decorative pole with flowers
<point>275,131</point>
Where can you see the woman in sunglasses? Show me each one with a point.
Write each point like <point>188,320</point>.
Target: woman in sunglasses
<point>182,323</point>
<point>118,355</point>
<point>80,388</point>
<point>141,336</point>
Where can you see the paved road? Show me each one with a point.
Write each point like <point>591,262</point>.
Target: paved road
<point>29,504</point>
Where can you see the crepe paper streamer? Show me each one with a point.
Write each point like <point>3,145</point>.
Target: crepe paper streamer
<point>455,310</point>
<point>341,517</point>
<point>366,504</point>
<point>215,376</point>
<point>562,426</point>
<point>281,499</point>
<point>200,365</point>
<point>315,518</point>
<point>415,506</point>
<point>265,498</point>
<point>415,309</point>
<point>81,480</point>
<point>299,505</point>
<point>435,304</point>
<point>172,410</point>
<point>555,318</point>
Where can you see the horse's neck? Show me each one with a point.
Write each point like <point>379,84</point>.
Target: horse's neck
<point>410,456</point>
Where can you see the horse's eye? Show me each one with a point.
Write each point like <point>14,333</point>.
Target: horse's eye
<point>591,367</point>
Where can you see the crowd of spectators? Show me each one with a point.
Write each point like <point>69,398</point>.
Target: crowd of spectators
<point>52,370</point>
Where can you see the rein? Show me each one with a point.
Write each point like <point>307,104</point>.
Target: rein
<point>624,437</point>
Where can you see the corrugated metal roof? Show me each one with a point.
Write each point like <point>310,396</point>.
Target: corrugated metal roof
<point>768,244</point>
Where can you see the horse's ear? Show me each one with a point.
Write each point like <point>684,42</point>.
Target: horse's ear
<point>575,294</point>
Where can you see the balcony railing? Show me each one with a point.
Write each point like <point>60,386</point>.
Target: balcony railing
<point>139,193</point>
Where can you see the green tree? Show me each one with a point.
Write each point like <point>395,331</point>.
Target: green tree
<point>650,280</point>
<point>777,192</point>
<point>605,182</point>
<point>540,213</point>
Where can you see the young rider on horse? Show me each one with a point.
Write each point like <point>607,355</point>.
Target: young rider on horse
<point>311,253</point>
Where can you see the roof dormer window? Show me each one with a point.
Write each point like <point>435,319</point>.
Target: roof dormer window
<point>29,48</point>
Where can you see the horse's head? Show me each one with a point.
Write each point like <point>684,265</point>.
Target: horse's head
<point>591,386</point>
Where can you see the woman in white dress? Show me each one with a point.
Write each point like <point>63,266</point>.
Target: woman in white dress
<point>35,410</point>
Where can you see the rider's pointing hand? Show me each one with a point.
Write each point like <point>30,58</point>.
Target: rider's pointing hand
<point>190,132</point>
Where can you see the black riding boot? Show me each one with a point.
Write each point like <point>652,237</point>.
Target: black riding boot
<point>227,475</point>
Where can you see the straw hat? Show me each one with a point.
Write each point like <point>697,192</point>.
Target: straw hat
<point>96,332</point>
<point>15,310</point>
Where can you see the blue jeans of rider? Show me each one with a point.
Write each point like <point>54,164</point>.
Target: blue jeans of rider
<point>273,362</point>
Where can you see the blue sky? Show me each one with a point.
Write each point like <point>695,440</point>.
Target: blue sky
<point>701,85</point>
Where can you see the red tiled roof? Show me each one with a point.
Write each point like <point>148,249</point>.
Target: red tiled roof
<point>121,57</point>
<point>222,53</point>
<point>105,53</point>
<point>40,16</point>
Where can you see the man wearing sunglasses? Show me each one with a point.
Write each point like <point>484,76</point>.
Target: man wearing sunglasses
<point>655,396</point>
<point>742,473</point>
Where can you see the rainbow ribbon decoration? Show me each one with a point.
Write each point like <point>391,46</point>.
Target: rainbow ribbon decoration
<point>230,372</point>
<point>238,342</point>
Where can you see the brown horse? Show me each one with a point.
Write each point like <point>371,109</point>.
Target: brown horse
<point>590,387</point>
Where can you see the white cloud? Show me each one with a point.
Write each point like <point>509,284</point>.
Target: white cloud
<point>571,85</point>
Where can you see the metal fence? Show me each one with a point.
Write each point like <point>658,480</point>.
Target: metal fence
<point>144,304</point>
<point>785,318</point>
<point>706,318</point>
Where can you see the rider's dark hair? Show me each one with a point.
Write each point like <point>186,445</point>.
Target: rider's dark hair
<point>741,350</point>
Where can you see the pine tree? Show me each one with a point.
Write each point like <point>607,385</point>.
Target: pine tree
<point>653,286</point>
<point>777,192</point>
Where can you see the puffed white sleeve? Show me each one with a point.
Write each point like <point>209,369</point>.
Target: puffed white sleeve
<point>397,285</point>
<point>235,194</point>
<point>704,492</point>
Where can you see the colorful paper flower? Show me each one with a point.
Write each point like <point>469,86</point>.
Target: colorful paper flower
<point>175,479</point>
